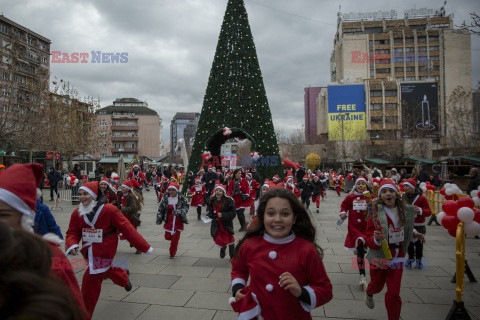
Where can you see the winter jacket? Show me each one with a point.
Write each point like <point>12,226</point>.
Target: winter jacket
<point>474,183</point>
<point>306,189</point>
<point>53,178</point>
<point>228,214</point>
<point>131,208</point>
<point>207,177</point>
<point>45,222</point>
<point>317,188</point>
<point>182,209</point>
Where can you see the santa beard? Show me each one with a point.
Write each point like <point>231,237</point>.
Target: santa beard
<point>83,210</point>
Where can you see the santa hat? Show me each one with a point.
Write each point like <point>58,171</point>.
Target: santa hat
<point>18,188</point>
<point>219,171</point>
<point>210,167</point>
<point>275,177</point>
<point>197,179</point>
<point>266,184</point>
<point>254,169</point>
<point>410,182</point>
<point>248,175</point>
<point>360,179</point>
<point>314,176</point>
<point>128,184</point>
<point>90,187</point>
<point>201,169</point>
<point>228,174</point>
<point>173,185</point>
<point>387,183</point>
<point>221,187</point>
<point>289,174</point>
<point>305,177</point>
<point>104,180</point>
<point>136,166</point>
<point>248,307</point>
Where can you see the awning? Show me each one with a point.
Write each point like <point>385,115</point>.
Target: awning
<point>111,160</point>
<point>377,162</point>
<point>415,160</point>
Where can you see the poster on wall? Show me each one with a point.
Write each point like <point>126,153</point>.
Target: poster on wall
<point>420,110</point>
<point>346,112</point>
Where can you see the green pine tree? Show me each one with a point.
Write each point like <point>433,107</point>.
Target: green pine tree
<point>236,98</point>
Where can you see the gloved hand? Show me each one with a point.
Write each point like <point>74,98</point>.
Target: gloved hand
<point>245,196</point>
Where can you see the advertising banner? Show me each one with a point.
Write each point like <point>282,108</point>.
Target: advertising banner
<point>346,112</point>
<point>420,109</point>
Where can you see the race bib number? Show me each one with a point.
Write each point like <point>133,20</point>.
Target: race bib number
<point>359,205</point>
<point>92,235</point>
<point>395,235</point>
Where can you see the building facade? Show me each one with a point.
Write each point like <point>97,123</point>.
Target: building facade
<point>398,59</point>
<point>183,126</point>
<point>311,94</point>
<point>130,128</point>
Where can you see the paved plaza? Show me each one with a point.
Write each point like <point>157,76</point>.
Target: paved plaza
<point>196,284</point>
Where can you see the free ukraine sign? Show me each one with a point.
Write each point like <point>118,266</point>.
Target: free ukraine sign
<point>346,112</point>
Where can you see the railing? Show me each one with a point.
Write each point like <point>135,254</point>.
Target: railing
<point>460,254</point>
<point>435,200</point>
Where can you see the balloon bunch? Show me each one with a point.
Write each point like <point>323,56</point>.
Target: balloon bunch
<point>475,194</point>
<point>375,182</point>
<point>227,132</point>
<point>206,155</point>
<point>255,155</point>
<point>461,210</point>
<point>115,176</point>
<point>427,186</point>
<point>72,179</point>
<point>450,191</point>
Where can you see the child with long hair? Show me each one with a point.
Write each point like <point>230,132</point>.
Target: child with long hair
<point>221,209</point>
<point>395,222</point>
<point>239,190</point>
<point>354,206</point>
<point>283,261</point>
<point>105,190</point>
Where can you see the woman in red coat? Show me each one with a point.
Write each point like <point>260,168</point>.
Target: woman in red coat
<point>105,189</point>
<point>238,189</point>
<point>287,276</point>
<point>96,224</point>
<point>198,192</point>
<point>354,206</point>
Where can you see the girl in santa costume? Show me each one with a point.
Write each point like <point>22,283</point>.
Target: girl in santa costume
<point>287,276</point>
<point>354,206</point>
<point>106,190</point>
<point>317,191</point>
<point>253,185</point>
<point>395,222</point>
<point>18,198</point>
<point>290,185</point>
<point>96,224</point>
<point>266,186</point>
<point>414,197</point>
<point>198,192</point>
<point>239,190</point>
<point>222,212</point>
<point>337,182</point>
<point>173,210</point>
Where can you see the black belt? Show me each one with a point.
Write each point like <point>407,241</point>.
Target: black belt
<point>395,246</point>
<point>109,233</point>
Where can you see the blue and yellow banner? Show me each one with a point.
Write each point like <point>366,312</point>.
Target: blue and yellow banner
<point>346,112</point>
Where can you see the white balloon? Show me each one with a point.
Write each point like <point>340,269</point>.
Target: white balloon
<point>449,191</point>
<point>423,184</point>
<point>424,189</point>
<point>465,214</point>
<point>476,200</point>
<point>69,179</point>
<point>440,217</point>
<point>474,193</point>
<point>446,185</point>
<point>472,228</point>
<point>457,191</point>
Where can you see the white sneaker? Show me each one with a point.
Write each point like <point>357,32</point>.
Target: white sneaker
<point>369,301</point>
<point>363,282</point>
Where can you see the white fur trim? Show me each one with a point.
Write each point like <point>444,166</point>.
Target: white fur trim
<point>391,186</point>
<point>313,300</point>
<point>220,187</point>
<point>149,251</point>
<point>16,203</point>
<point>285,240</point>
<point>361,179</point>
<point>237,281</point>
<point>72,247</point>
<point>231,300</point>
<point>53,238</point>
<point>126,187</point>
<point>94,196</point>
<point>172,187</point>
<point>410,185</point>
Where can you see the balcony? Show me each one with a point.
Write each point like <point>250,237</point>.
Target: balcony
<point>124,128</point>
<point>121,139</point>
<point>124,150</point>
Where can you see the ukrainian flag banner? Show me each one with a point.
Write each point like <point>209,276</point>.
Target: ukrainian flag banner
<point>346,112</point>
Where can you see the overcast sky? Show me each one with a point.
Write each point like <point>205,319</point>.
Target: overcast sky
<point>171,43</point>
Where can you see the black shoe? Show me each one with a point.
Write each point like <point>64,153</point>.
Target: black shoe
<point>241,229</point>
<point>138,252</point>
<point>172,257</point>
<point>129,286</point>
<point>51,200</point>
<point>222,252</point>
<point>128,272</point>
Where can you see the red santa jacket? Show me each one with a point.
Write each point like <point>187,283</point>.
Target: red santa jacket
<point>422,203</point>
<point>111,221</point>
<point>290,186</point>
<point>197,191</point>
<point>253,186</point>
<point>139,176</point>
<point>264,259</point>
<point>355,206</point>
<point>235,190</point>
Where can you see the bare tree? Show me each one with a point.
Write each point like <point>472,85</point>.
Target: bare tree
<point>474,26</point>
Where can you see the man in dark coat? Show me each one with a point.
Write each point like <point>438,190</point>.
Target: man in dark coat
<point>424,175</point>
<point>300,173</point>
<point>53,178</point>
<point>475,181</point>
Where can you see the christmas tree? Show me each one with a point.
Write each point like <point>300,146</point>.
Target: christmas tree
<point>235,100</point>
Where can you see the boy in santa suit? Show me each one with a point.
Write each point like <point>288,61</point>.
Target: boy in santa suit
<point>337,182</point>
<point>354,206</point>
<point>414,197</point>
<point>282,261</point>
<point>290,185</point>
<point>198,192</point>
<point>317,191</point>
<point>138,175</point>
<point>239,190</point>
<point>253,185</point>
<point>95,224</point>
<point>395,225</point>
<point>18,198</point>
<point>173,210</point>
<point>306,189</point>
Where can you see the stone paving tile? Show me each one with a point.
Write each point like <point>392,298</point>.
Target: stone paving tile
<point>221,273</point>
<point>210,300</point>
<point>165,297</point>
<point>156,312</point>
<point>225,315</point>
<point>146,268</point>
<point>201,284</point>
<point>188,271</point>
<point>437,296</point>
<point>178,261</point>
<point>113,292</point>
<point>153,280</point>
<point>118,310</point>
<point>213,262</point>
<point>353,309</point>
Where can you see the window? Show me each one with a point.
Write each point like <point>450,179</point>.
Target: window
<point>433,48</point>
<point>398,50</point>
<point>117,145</point>
<point>102,123</point>
<point>390,93</point>
<point>375,106</point>
<point>7,60</point>
<point>422,77</point>
<point>41,45</point>
<point>379,42</point>
<point>398,40</point>
<point>434,58</point>
<point>131,145</point>
<point>409,49</point>
<point>102,112</point>
<point>391,119</point>
<point>398,69</point>
<point>44,60</point>
<point>6,76</point>
<point>3,28</point>
<point>441,25</point>
<point>30,40</point>
<point>376,119</point>
<point>408,40</point>
<point>421,39</point>
<point>370,44</point>
<point>375,93</point>
<point>382,51</point>
<point>422,49</point>
<point>410,79</point>
<point>352,31</point>
<point>374,30</point>
<point>103,155</point>
<point>6,92</point>
<point>410,69</point>
<point>372,73</point>
<point>432,38</point>
<point>103,134</point>
<point>436,68</point>
<point>422,68</point>
<point>419,27</point>
<point>390,106</point>
<point>399,78</point>
<point>116,134</point>
<point>383,70</point>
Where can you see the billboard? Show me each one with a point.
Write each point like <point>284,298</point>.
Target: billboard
<point>420,110</point>
<point>346,112</point>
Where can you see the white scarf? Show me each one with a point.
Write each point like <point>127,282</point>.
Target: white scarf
<point>83,210</point>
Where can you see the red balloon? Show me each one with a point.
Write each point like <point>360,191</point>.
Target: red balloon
<point>450,208</point>
<point>465,202</point>
<point>442,191</point>
<point>477,215</point>
<point>450,222</point>
<point>452,232</point>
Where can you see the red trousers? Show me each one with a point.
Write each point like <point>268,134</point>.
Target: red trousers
<point>174,239</point>
<point>316,200</point>
<point>92,285</point>
<point>338,190</point>
<point>393,279</point>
